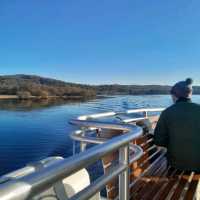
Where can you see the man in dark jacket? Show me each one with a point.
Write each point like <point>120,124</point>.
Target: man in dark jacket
<point>178,129</point>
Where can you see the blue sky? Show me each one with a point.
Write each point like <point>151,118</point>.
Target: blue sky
<point>101,41</point>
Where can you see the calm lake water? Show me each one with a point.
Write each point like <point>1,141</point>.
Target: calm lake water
<point>31,131</point>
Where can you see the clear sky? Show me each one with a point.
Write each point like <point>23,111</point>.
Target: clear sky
<point>101,41</point>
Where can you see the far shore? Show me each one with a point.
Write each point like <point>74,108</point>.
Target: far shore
<point>37,97</point>
<point>9,97</point>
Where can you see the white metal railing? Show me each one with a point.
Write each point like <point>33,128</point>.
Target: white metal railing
<point>87,123</point>
<point>26,187</point>
<point>131,111</point>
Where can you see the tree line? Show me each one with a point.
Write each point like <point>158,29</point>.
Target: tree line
<point>27,86</point>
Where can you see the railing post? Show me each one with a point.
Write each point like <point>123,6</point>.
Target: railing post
<point>74,147</point>
<point>145,114</point>
<point>124,176</point>
<point>83,145</point>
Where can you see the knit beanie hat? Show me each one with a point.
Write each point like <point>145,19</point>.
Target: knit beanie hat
<point>182,88</point>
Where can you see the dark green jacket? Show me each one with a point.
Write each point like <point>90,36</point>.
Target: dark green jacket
<point>178,129</point>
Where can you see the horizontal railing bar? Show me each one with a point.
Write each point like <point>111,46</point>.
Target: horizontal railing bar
<point>95,116</point>
<point>134,119</point>
<point>98,124</point>
<point>144,110</point>
<point>42,180</point>
<point>100,183</point>
<point>77,135</point>
<point>138,152</point>
<point>151,156</point>
<point>147,142</point>
<point>110,114</point>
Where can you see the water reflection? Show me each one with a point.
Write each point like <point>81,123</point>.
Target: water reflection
<point>28,105</point>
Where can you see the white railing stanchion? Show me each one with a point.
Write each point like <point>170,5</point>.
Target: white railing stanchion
<point>124,176</point>
<point>83,144</point>
<point>74,147</point>
<point>145,114</point>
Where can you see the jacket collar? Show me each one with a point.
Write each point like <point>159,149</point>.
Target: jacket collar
<point>183,99</point>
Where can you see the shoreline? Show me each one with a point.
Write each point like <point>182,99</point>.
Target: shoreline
<point>9,97</point>
<point>15,97</point>
<point>4,97</point>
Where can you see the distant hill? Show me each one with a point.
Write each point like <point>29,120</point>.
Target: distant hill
<point>27,86</point>
<point>132,89</point>
<point>137,89</point>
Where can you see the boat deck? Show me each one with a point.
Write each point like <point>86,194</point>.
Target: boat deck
<point>155,180</point>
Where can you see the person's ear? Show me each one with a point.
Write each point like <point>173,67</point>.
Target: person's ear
<point>190,95</point>
<point>174,98</point>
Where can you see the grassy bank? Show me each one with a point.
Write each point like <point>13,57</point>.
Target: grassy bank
<point>38,97</point>
<point>8,97</point>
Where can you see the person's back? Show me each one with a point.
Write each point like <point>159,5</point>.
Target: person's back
<point>178,130</point>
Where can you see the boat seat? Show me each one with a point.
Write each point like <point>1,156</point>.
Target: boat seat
<point>152,179</point>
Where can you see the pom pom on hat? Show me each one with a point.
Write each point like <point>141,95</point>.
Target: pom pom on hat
<point>189,81</point>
